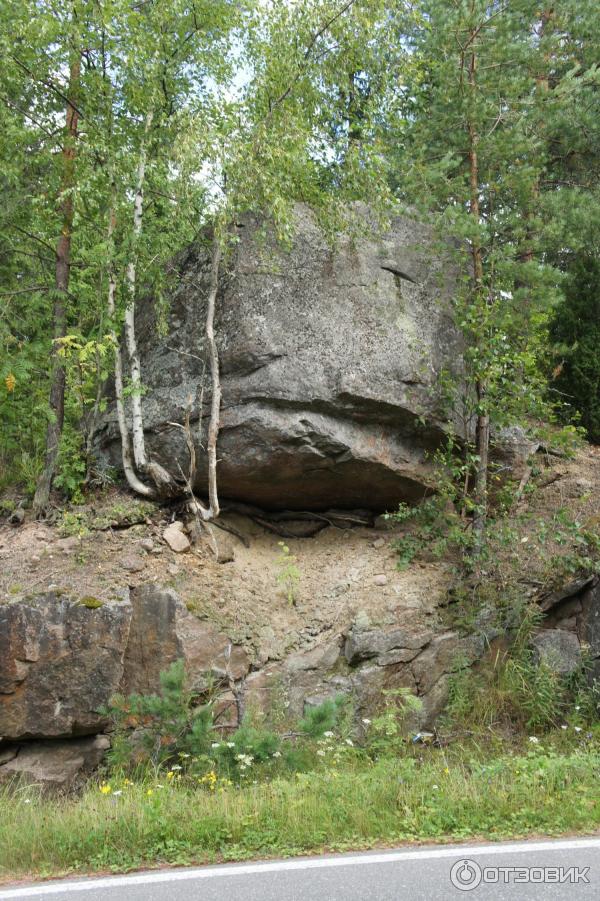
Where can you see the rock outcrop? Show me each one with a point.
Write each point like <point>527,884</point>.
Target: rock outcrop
<point>330,359</point>
<point>61,660</point>
<point>572,625</point>
<point>162,631</point>
<point>362,664</point>
<point>53,766</point>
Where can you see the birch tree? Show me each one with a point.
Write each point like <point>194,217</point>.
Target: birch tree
<point>176,58</point>
<point>275,146</point>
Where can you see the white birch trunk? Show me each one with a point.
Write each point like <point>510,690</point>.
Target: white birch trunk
<point>215,406</point>
<point>137,418</point>
<point>213,509</point>
<point>132,480</point>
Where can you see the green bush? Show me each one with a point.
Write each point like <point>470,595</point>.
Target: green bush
<point>516,692</point>
<point>176,730</point>
<point>575,332</point>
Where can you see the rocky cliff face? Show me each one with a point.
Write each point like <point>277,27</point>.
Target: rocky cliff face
<point>63,661</point>
<point>330,360</point>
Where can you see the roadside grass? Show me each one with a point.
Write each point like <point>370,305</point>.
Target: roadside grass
<point>425,795</point>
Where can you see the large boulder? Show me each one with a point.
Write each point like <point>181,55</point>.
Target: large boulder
<point>60,662</point>
<point>330,357</point>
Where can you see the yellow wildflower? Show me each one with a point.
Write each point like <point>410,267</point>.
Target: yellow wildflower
<point>10,382</point>
<point>105,789</point>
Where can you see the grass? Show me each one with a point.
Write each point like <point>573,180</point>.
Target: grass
<point>431,795</point>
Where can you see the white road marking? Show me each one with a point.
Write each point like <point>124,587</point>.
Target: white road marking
<point>158,876</point>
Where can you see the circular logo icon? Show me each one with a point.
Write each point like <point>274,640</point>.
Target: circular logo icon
<point>465,875</point>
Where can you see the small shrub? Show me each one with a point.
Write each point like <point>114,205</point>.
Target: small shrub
<point>73,524</point>
<point>322,718</point>
<point>7,506</point>
<point>288,576</point>
<point>515,691</point>
<point>387,731</point>
<point>70,477</point>
<point>177,729</point>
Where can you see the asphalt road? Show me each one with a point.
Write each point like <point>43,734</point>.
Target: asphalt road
<point>529,871</point>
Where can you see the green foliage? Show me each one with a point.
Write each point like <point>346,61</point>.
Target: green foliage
<point>472,113</point>
<point>320,719</point>
<point>441,795</point>
<point>122,513</point>
<point>439,525</point>
<point>288,576</point>
<point>7,506</point>
<point>168,722</point>
<point>515,691</point>
<point>388,730</point>
<point>176,731</point>
<point>72,524</point>
<point>72,467</point>
<point>254,106</point>
<point>431,529</point>
<point>575,333</point>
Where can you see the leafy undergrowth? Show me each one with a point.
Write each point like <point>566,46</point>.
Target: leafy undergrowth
<point>549,787</point>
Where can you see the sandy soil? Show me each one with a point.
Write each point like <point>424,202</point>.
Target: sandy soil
<point>341,572</point>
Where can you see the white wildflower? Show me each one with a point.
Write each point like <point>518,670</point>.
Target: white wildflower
<point>116,794</point>
<point>328,734</point>
<point>350,742</point>
<point>367,722</point>
<point>276,753</point>
<point>231,744</point>
<point>245,760</point>
<point>577,728</point>
<point>176,767</point>
<point>534,740</point>
<point>321,752</point>
<point>216,744</point>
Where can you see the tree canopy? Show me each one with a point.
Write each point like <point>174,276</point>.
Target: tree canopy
<point>132,129</point>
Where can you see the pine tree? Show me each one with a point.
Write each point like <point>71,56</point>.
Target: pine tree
<point>473,160</point>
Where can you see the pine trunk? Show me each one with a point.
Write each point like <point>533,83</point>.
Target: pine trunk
<point>62,274</point>
<point>482,431</point>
